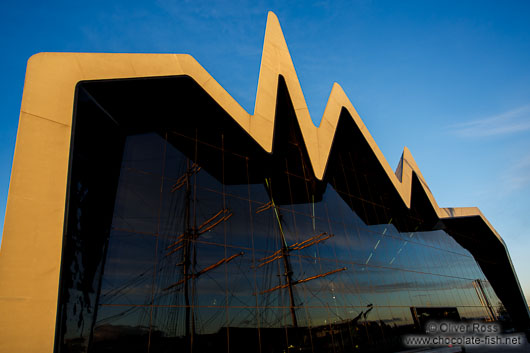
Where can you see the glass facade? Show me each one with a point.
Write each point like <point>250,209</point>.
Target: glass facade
<point>203,246</point>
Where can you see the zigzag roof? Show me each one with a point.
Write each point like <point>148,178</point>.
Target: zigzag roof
<point>276,61</point>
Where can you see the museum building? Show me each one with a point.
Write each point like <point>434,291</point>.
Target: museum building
<point>149,212</point>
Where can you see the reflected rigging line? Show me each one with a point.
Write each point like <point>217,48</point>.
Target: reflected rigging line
<point>183,179</point>
<point>204,270</point>
<point>304,280</point>
<point>205,226</point>
<point>296,246</point>
<point>264,207</point>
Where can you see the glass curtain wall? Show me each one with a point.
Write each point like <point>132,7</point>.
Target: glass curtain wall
<point>195,262</point>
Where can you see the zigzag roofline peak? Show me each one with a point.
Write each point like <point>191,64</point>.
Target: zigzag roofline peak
<point>52,77</point>
<point>276,60</point>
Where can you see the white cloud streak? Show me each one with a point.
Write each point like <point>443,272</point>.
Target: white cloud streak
<point>510,122</point>
<point>518,176</point>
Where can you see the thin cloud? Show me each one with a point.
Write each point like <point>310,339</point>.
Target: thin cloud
<point>518,176</point>
<point>506,123</point>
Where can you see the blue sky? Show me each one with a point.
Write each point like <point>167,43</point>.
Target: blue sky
<point>448,79</point>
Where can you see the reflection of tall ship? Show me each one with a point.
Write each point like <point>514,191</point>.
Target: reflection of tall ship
<point>217,286</point>
<point>181,270</point>
<point>184,249</point>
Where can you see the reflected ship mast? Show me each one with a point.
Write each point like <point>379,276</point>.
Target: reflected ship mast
<point>186,242</point>
<point>185,246</point>
<point>284,254</point>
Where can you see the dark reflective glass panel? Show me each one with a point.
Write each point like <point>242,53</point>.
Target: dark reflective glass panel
<point>209,247</point>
